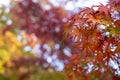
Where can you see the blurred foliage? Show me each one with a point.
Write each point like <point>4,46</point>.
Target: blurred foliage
<point>41,41</point>
<point>17,62</point>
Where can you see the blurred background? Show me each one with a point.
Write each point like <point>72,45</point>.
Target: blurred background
<point>32,38</point>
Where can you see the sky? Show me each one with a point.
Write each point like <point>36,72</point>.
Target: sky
<point>4,2</point>
<point>80,3</point>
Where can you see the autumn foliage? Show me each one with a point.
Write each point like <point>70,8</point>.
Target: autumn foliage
<point>47,42</point>
<point>96,42</point>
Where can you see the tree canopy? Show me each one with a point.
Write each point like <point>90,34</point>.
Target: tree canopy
<point>41,41</point>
